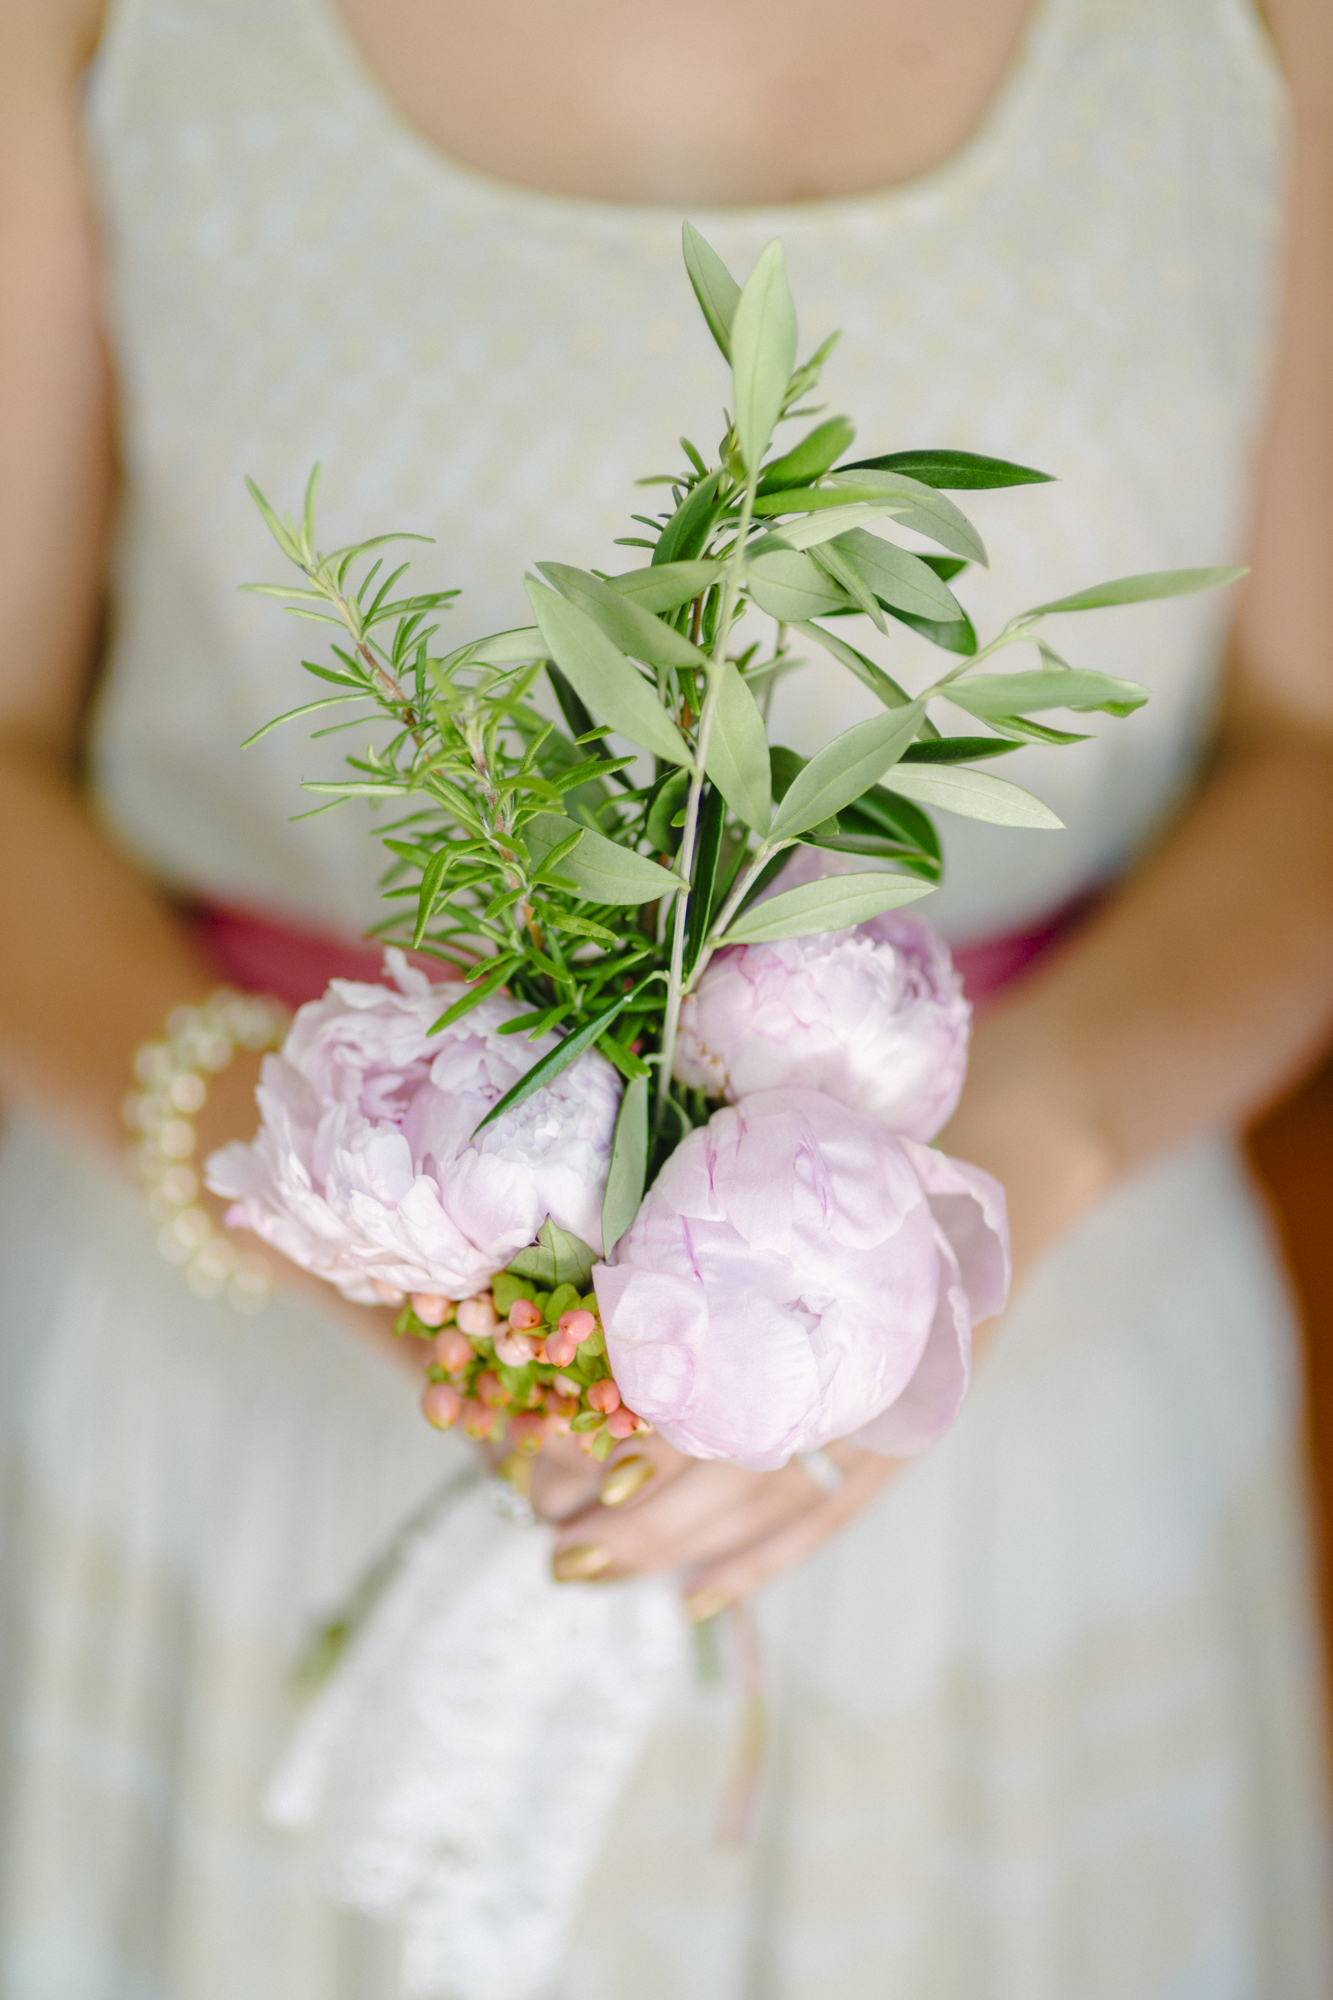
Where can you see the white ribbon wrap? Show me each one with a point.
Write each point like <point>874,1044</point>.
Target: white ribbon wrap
<point>458,1771</point>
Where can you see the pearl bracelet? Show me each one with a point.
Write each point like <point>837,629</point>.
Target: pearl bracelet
<point>201,1042</point>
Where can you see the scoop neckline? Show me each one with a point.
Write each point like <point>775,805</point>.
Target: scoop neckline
<point>975,160</point>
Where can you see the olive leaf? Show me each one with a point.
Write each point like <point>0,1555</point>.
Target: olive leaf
<point>844,768</point>
<point>510,649</point>
<point>737,760</point>
<point>1140,589</point>
<point>763,352</point>
<point>686,533</point>
<point>924,509</point>
<point>629,1164</point>
<point>956,749</point>
<point>628,625</point>
<point>614,691</point>
<point>972,794</point>
<point>825,524</point>
<point>831,559</point>
<point>831,904</point>
<point>714,287</point>
<point>668,803</point>
<point>900,579</point>
<point>961,470</point>
<point>988,695</point>
<point>811,457</point>
<point>599,869</point>
<point>789,585</point>
<point>666,586</point>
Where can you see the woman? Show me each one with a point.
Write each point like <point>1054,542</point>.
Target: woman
<point>1044,1718</point>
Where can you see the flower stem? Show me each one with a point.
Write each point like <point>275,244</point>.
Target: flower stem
<point>685,859</point>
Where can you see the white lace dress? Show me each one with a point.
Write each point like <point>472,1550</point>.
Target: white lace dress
<point>1044,1723</point>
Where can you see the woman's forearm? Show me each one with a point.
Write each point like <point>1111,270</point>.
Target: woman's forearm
<point>1189,1002</point>
<point>95,958</point>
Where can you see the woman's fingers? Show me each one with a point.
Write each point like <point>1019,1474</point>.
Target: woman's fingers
<point>746,1568</point>
<point>730,1529</point>
<point>688,1514</point>
<point>566,1480</point>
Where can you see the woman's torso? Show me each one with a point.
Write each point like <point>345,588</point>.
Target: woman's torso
<point>294,274</point>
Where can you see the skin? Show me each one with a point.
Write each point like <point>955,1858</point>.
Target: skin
<point>1199,993</point>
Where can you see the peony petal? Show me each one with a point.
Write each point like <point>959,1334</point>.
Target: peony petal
<point>969,1206</point>
<point>924,1410</point>
<point>660,1326</point>
<point>873,1016</point>
<point>806,1293</point>
<point>365,1166</point>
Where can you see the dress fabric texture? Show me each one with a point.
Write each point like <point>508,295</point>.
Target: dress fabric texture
<point>1044,1723</point>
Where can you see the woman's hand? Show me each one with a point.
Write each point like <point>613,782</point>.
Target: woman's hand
<point>1023,1117</point>
<point>728,1530</point>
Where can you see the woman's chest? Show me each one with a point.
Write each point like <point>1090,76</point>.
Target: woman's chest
<point>719,102</point>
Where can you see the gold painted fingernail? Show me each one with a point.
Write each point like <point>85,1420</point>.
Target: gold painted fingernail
<point>623,1481</point>
<point>706,1603</point>
<point>579,1563</point>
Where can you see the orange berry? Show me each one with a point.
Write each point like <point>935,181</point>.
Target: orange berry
<point>561,1347</point>
<point>478,1421</point>
<point>453,1349</point>
<point>527,1430</point>
<point>604,1396</point>
<point>432,1310</point>
<point>514,1349</point>
<point>478,1316</point>
<point>441,1405</point>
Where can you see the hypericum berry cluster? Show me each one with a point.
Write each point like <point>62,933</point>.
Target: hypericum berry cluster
<point>519,1363</point>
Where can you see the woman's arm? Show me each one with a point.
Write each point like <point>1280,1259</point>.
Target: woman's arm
<point>94,958</point>
<point>1204,987</point>
<point>1207,984</point>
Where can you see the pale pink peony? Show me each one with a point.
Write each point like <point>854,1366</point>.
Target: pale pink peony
<point>363,1170</point>
<point>873,1016</point>
<point>797,1274</point>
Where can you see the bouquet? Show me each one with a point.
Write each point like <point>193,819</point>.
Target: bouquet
<point>655,1149</point>
<point>663,1156</point>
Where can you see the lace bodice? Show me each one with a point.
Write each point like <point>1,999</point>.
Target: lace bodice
<point>295,275</point>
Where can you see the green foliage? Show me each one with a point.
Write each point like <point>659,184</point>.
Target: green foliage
<point>830,905</point>
<point>1140,589</point>
<point>714,287</point>
<point>962,471</point>
<point>556,1258</point>
<point>807,460</point>
<point>844,769</point>
<point>530,854</point>
<point>763,353</point>
<point>737,760</point>
<point>629,1163</point>
<point>974,794</point>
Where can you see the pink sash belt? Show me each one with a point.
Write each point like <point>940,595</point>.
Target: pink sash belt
<point>262,954</point>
